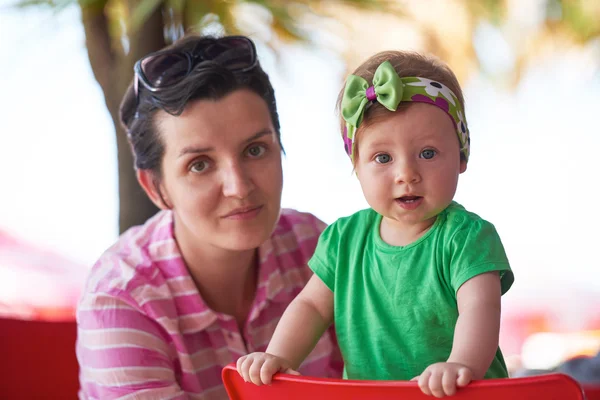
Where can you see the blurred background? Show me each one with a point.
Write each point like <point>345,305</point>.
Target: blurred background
<point>530,70</point>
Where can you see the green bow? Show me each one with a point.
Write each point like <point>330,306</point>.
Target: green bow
<point>388,89</point>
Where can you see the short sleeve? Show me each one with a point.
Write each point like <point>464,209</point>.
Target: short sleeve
<point>477,249</point>
<point>324,260</point>
<point>122,352</point>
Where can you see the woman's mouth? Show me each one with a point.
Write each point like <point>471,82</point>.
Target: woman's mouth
<point>243,213</point>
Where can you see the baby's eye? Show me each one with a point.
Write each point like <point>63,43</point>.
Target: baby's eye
<point>383,158</point>
<point>256,150</point>
<point>428,154</point>
<point>199,166</point>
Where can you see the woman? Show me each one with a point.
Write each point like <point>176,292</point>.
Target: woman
<point>206,279</point>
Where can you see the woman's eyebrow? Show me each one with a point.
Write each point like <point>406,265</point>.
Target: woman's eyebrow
<point>197,150</point>
<point>262,133</point>
<point>194,150</point>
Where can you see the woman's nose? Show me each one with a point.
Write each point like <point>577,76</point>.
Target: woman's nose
<point>237,182</point>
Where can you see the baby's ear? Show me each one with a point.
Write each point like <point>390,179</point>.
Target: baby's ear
<point>463,166</point>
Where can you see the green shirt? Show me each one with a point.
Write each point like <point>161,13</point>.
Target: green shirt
<point>395,307</point>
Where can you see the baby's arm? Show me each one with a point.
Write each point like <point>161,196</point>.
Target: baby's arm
<point>302,324</point>
<point>478,326</point>
<point>475,337</point>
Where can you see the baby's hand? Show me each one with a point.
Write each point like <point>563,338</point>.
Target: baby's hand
<point>259,368</point>
<point>442,379</point>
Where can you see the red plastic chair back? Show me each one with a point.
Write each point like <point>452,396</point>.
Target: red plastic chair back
<point>292,387</point>
<point>592,392</point>
<point>37,360</point>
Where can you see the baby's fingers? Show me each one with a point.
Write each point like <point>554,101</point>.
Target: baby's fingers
<point>465,376</point>
<point>270,368</point>
<point>291,371</point>
<point>435,383</point>
<point>424,382</point>
<point>244,367</point>
<point>238,365</point>
<point>254,371</point>
<point>449,383</point>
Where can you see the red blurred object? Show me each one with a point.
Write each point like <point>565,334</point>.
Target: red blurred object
<point>292,387</point>
<point>37,283</point>
<point>39,290</point>
<point>38,360</point>
<point>517,325</point>
<point>564,310</point>
<point>592,392</point>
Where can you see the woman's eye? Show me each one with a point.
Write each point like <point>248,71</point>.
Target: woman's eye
<point>428,154</point>
<point>383,158</point>
<point>199,166</point>
<point>256,151</point>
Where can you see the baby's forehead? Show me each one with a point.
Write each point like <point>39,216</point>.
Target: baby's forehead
<point>415,120</point>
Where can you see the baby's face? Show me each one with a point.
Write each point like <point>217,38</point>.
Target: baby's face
<point>409,163</point>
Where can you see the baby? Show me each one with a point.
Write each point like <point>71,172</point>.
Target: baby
<point>413,284</point>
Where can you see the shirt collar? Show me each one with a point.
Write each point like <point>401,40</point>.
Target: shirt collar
<point>271,285</point>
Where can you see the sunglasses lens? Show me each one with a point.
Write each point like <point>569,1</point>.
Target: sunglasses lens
<point>165,69</point>
<point>235,53</point>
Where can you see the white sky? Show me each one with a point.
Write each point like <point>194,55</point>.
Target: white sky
<point>533,170</point>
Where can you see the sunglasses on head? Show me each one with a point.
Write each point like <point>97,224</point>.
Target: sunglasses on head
<point>166,68</point>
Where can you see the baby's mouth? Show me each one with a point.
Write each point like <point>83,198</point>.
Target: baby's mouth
<point>408,199</point>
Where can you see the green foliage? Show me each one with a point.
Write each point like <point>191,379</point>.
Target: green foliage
<point>197,15</point>
<point>581,18</point>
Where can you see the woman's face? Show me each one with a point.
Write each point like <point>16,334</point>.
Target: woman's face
<point>221,171</point>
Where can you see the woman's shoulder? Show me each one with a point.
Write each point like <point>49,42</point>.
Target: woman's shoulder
<point>293,241</point>
<point>291,220</point>
<point>132,261</point>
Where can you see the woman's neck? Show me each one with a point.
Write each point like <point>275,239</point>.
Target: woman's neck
<point>226,279</point>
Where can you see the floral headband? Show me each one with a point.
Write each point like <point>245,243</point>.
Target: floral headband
<point>389,90</point>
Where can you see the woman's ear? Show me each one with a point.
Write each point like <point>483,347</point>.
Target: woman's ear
<point>152,187</point>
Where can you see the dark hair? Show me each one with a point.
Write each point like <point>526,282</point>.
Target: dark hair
<point>208,80</point>
<point>406,63</point>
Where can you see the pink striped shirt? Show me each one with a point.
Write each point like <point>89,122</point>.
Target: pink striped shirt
<point>145,332</point>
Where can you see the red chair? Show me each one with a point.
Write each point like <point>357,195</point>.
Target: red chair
<point>37,360</point>
<point>292,387</point>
